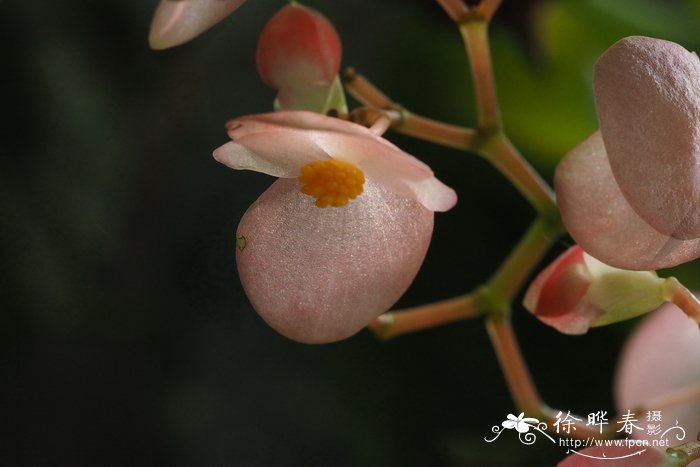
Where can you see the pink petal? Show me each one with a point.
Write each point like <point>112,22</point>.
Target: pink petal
<point>555,296</point>
<point>320,275</point>
<point>648,100</point>
<point>600,219</point>
<point>280,153</point>
<point>300,120</point>
<point>390,166</point>
<point>661,355</point>
<point>178,21</point>
<point>285,140</point>
<point>615,456</point>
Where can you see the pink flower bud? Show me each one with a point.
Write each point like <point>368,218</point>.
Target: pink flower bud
<point>299,55</point>
<point>178,21</point>
<point>629,194</point>
<point>577,292</point>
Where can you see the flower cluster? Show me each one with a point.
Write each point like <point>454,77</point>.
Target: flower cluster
<point>343,230</point>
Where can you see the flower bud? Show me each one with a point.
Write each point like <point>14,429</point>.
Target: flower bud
<point>577,292</point>
<point>299,55</point>
<point>177,22</point>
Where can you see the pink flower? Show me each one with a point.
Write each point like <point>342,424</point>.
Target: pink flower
<point>178,21</point>
<point>576,292</point>
<point>299,55</point>
<point>630,193</point>
<point>320,274</point>
<point>661,360</point>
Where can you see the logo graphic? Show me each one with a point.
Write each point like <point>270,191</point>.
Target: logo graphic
<point>522,426</point>
<point>529,428</point>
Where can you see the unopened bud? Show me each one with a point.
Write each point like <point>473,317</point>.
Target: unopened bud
<point>577,292</point>
<point>299,55</point>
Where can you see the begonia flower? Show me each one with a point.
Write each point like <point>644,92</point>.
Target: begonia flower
<point>338,238</point>
<point>629,194</point>
<point>298,54</point>
<point>178,21</point>
<point>660,364</point>
<point>576,292</point>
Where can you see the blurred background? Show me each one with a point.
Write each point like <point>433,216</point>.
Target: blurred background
<point>125,336</point>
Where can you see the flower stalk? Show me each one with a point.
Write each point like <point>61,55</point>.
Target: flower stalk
<point>396,323</point>
<point>403,121</point>
<point>685,453</point>
<point>474,32</point>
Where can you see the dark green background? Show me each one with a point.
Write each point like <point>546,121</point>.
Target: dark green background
<point>125,336</point>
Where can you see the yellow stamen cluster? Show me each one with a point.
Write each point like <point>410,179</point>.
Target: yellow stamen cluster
<point>331,182</point>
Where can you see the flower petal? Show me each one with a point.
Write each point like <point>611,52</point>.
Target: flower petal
<point>600,219</point>
<point>320,275</point>
<point>389,165</point>
<point>178,21</point>
<point>279,152</point>
<point>555,296</point>
<point>300,120</point>
<point>286,139</point>
<point>648,100</point>
<point>661,356</point>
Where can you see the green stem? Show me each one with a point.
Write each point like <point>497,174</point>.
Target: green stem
<point>685,453</point>
<point>456,9</point>
<point>518,266</point>
<point>474,32</point>
<point>396,323</point>
<point>487,8</point>
<point>683,298</point>
<point>520,382</point>
<point>403,121</point>
<point>496,146</point>
<point>507,159</point>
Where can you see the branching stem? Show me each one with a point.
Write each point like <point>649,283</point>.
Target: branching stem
<point>403,121</point>
<point>521,384</point>
<point>396,323</point>
<point>507,159</point>
<point>475,35</point>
